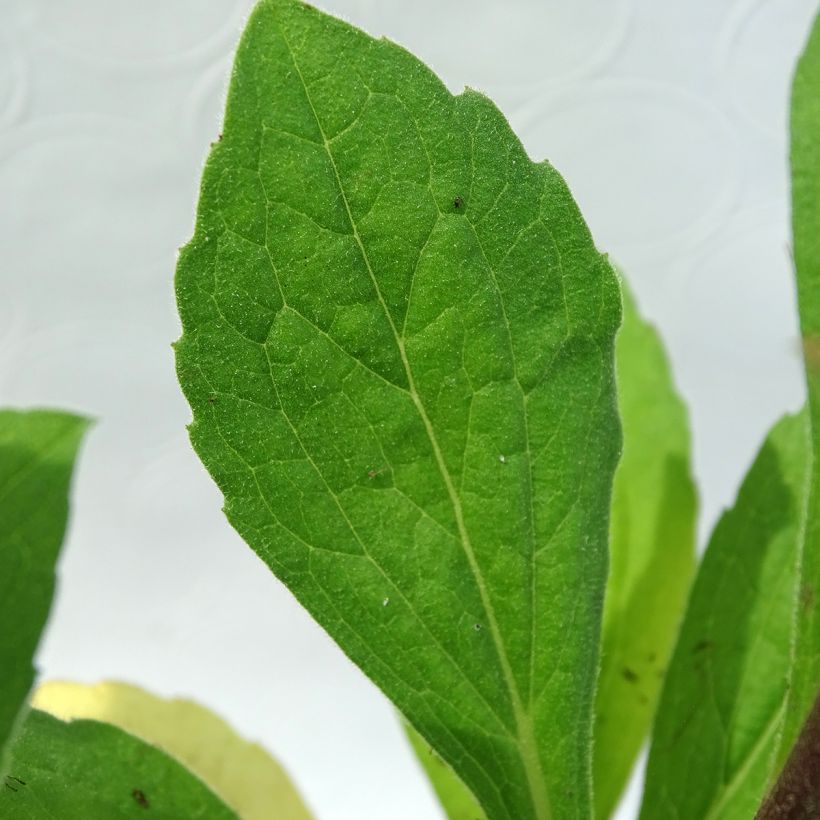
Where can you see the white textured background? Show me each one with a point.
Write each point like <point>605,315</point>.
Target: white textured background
<point>668,118</point>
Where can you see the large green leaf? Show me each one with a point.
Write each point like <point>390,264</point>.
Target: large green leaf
<point>37,451</point>
<point>94,771</point>
<point>398,350</point>
<point>241,773</point>
<point>805,165</point>
<point>724,699</point>
<point>652,553</point>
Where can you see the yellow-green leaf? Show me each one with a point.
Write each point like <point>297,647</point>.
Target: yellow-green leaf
<point>652,553</point>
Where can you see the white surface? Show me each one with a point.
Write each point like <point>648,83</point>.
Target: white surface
<point>668,120</point>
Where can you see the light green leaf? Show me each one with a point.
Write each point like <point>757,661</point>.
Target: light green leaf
<point>455,798</point>
<point>805,165</point>
<point>94,771</point>
<point>652,553</point>
<point>37,451</point>
<point>398,350</point>
<point>241,773</point>
<point>723,703</point>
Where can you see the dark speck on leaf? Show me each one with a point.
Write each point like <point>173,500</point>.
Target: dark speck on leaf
<point>458,203</point>
<point>701,645</point>
<point>477,627</point>
<point>139,798</point>
<point>629,674</point>
<point>212,399</point>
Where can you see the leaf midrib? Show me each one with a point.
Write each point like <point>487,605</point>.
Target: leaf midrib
<point>528,749</point>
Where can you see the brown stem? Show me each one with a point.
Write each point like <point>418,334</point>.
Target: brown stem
<point>796,794</point>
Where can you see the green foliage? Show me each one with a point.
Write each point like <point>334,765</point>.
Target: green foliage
<point>398,350</point>
<point>37,451</point>
<point>652,554</point>
<point>805,165</point>
<point>723,703</point>
<point>90,770</point>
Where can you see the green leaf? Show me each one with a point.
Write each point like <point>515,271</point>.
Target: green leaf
<point>805,165</point>
<point>242,774</point>
<point>455,798</point>
<point>724,699</point>
<point>398,350</point>
<point>90,770</point>
<point>37,451</point>
<point>652,553</point>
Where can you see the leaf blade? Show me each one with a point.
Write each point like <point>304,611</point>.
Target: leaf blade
<point>379,315</point>
<point>805,179</point>
<point>723,702</point>
<point>94,770</point>
<point>37,453</point>
<point>652,553</point>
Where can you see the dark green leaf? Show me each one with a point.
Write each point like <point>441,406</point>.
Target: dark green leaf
<point>724,699</point>
<point>398,349</point>
<point>37,451</point>
<point>652,554</point>
<point>93,771</point>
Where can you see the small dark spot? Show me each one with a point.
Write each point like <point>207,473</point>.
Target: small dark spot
<point>219,137</point>
<point>700,646</point>
<point>458,203</point>
<point>211,399</point>
<point>139,798</point>
<point>11,782</point>
<point>630,675</point>
<point>477,627</point>
<point>651,657</point>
